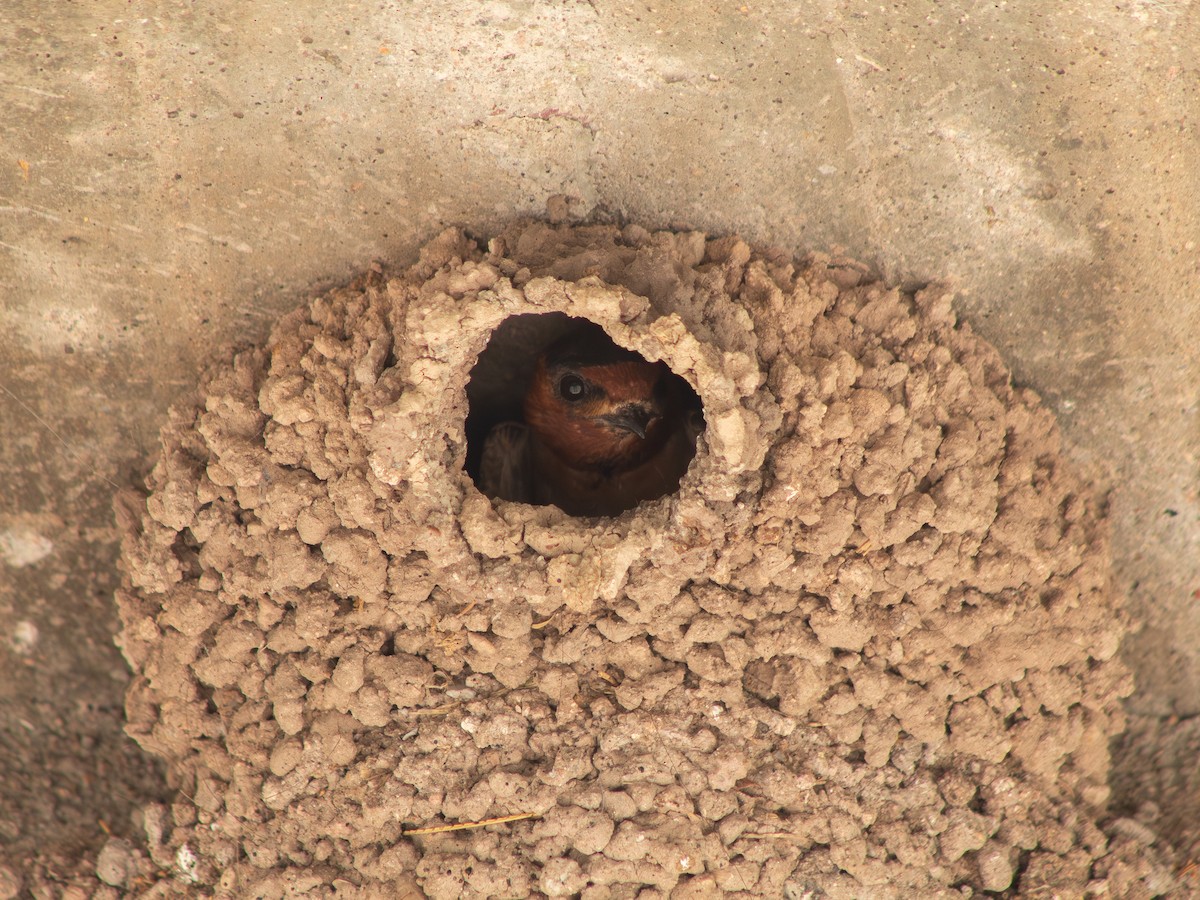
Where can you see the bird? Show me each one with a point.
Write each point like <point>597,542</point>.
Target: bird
<point>604,429</point>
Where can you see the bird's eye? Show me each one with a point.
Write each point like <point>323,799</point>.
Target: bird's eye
<point>572,388</point>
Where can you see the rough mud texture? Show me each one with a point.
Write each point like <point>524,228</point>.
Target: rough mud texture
<point>866,650</point>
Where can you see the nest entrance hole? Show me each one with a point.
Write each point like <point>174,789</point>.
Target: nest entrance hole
<point>505,370</point>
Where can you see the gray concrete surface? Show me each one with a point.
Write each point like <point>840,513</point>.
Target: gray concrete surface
<point>174,175</point>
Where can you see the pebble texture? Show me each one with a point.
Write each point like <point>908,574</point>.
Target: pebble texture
<point>868,649</point>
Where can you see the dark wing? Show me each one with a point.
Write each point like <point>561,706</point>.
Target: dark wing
<point>505,472</point>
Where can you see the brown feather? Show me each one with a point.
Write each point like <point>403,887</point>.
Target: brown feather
<point>594,492</point>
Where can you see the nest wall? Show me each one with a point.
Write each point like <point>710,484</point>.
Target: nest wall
<point>866,649</point>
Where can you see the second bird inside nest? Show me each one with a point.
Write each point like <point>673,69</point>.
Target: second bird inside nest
<point>603,430</point>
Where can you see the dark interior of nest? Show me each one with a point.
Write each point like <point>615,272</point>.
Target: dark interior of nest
<point>505,370</point>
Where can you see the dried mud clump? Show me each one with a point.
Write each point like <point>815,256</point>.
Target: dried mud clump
<point>867,649</point>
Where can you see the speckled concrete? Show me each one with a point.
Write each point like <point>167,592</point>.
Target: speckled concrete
<point>174,175</point>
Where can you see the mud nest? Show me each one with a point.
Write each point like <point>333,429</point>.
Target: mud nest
<point>866,649</point>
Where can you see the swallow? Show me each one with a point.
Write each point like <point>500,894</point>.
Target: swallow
<point>604,429</point>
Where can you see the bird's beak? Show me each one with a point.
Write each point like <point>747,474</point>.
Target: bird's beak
<point>633,417</point>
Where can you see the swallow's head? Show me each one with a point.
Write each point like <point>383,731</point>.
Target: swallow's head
<point>598,405</point>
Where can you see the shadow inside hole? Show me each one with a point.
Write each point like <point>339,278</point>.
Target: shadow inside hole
<point>505,370</point>
<point>500,379</point>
